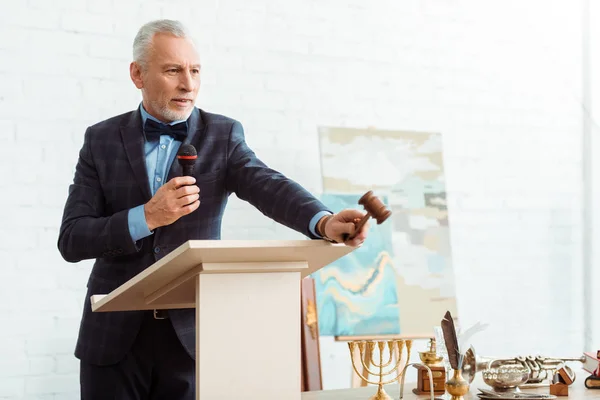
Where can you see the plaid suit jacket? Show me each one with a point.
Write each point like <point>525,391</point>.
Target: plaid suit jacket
<point>110,178</point>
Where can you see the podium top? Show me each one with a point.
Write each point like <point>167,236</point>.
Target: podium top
<point>168,283</point>
<point>317,253</point>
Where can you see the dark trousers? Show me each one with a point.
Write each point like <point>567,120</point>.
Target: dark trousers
<point>156,368</point>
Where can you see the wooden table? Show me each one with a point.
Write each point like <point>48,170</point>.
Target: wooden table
<point>576,391</point>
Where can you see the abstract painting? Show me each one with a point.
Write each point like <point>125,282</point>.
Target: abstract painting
<point>401,280</point>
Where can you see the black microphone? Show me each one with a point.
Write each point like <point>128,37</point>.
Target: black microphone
<point>187,158</point>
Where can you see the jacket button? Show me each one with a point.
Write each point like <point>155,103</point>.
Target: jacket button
<point>157,249</point>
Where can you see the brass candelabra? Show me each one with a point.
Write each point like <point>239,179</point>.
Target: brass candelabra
<point>384,376</point>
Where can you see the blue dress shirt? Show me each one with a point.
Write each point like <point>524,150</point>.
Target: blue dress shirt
<point>159,157</point>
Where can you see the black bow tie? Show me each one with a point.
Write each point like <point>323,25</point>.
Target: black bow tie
<point>154,129</point>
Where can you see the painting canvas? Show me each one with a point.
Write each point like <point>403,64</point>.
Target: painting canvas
<point>357,294</point>
<point>401,280</point>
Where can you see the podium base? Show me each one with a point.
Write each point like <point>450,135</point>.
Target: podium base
<point>248,339</point>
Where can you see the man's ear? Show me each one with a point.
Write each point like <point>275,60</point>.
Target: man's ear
<point>135,71</point>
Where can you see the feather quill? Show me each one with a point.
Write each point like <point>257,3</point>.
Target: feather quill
<point>451,340</point>
<point>465,337</point>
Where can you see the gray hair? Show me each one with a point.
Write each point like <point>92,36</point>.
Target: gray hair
<point>143,40</point>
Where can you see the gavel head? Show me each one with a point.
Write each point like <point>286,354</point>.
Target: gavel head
<point>374,206</point>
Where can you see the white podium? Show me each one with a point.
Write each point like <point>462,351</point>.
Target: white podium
<point>247,300</point>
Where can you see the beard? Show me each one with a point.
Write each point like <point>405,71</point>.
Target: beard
<point>168,115</point>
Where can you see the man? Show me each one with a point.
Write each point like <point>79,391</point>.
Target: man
<point>129,206</point>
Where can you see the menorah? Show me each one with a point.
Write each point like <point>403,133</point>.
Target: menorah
<point>393,346</point>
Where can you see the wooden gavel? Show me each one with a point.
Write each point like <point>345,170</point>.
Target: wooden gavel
<point>374,207</point>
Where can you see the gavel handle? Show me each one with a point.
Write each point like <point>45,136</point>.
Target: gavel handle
<point>358,226</point>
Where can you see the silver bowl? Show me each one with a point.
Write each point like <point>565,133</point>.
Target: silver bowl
<point>506,377</point>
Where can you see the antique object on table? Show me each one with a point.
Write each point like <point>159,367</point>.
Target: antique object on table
<point>505,377</point>
<point>560,382</point>
<point>374,208</point>
<point>456,386</point>
<point>418,366</point>
<point>434,375</point>
<point>490,395</point>
<point>564,375</point>
<point>393,346</point>
<point>430,357</point>
<point>408,343</point>
<point>559,388</point>
<point>592,382</point>
<point>592,364</point>
<point>541,368</point>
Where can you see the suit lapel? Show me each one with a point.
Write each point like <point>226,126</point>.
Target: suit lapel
<point>195,129</point>
<point>133,141</point>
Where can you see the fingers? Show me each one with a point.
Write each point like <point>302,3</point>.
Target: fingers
<point>348,230</point>
<point>189,199</point>
<point>186,195</point>
<point>350,227</point>
<point>362,233</point>
<point>347,227</point>
<point>186,191</point>
<point>350,215</point>
<point>178,197</point>
<point>179,181</point>
<point>359,238</point>
<point>190,208</point>
<point>342,225</point>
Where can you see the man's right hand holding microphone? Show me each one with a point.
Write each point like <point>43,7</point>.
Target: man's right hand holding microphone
<point>178,197</point>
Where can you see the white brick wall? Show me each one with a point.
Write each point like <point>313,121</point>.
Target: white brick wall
<point>500,79</point>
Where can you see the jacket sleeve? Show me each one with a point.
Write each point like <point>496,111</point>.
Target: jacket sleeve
<point>86,232</point>
<point>273,194</point>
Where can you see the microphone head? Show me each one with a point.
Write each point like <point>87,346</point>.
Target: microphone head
<point>187,154</point>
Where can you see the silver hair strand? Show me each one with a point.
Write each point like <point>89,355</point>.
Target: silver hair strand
<point>143,40</point>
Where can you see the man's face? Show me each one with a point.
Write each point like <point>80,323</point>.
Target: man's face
<point>170,78</point>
